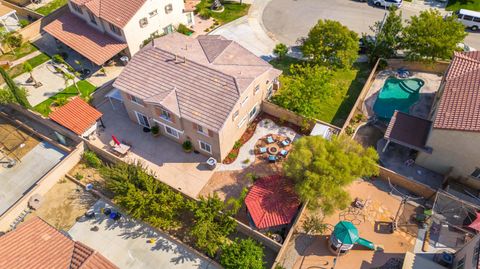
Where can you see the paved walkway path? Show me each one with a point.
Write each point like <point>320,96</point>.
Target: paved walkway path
<point>264,128</point>
<point>249,31</point>
<point>26,58</point>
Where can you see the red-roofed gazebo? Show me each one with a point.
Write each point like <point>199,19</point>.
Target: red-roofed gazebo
<point>272,202</point>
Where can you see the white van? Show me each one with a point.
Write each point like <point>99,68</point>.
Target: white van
<point>469,18</point>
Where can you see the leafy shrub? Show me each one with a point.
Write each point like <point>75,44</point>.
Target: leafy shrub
<point>237,144</point>
<point>281,50</point>
<point>205,14</point>
<point>155,129</point>
<point>58,59</point>
<point>252,176</point>
<point>14,40</point>
<point>232,155</point>
<point>240,254</point>
<point>78,176</point>
<point>184,29</point>
<point>349,130</point>
<point>359,117</point>
<point>314,224</point>
<point>91,159</point>
<point>60,102</point>
<point>382,64</point>
<point>246,161</point>
<point>187,145</point>
<point>23,23</point>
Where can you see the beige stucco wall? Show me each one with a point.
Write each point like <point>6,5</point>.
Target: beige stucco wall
<point>457,149</point>
<point>135,35</point>
<point>467,253</point>
<point>221,142</point>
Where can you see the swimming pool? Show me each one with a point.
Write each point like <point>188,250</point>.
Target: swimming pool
<point>397,94</point>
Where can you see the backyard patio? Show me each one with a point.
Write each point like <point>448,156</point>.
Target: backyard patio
<point>186,172</point>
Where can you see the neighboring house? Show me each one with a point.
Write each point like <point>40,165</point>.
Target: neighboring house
<point>100,29</point>
<point>205,90</point>
<point>448,143</point>
<point>36,244</point>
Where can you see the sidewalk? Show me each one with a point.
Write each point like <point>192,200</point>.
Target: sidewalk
<point>249,31</point>
<point>26,58</point>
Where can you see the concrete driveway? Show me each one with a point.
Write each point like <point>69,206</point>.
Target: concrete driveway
<point>124,242</point>
<point>288,20</point>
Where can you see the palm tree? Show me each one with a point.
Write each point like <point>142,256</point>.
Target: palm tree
<point>67,76</point>
<point>27,67</point>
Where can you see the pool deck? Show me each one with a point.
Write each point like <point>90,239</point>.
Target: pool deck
<point>420,108</point>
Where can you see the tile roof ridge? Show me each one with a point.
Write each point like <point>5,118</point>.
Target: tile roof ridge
<point>83,249</point>
<point>230,42</point>
<point>204,66</point>
<point>465,56</point>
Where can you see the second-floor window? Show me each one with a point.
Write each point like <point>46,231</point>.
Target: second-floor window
<point>257,89</point>
<point>244,101</point>
<point>115,29</point>
<point>76,7</point>
<point>235,115</point>
<point>202,130</point>
<point>165,115</point>
<point>168,9</point>
<point>153,13</point>
<point>92,17</point>
<point>143,22</point>
<point>136,100</point>
<point>476,173</point>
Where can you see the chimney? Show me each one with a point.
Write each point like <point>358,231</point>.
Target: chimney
<point>176,57</point>
<point>184,59</point>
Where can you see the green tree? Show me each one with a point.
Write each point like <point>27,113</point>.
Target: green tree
<point>322,168</point>
<point>331,44</point>
<point>429,36</point>
<point>242,254</point>
<point>213,222</point>
<point>6,96</point>
<point>281,50</point>
<point>304,90</point>
<point>143,196</point>
<point>19,94</point>
<point>11,39</point>
<point>388,36</point>
<point>27,67</point>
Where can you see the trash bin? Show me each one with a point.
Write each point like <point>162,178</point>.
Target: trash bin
<point>124,60</point>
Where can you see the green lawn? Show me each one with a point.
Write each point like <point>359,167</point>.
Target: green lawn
<point>454,5</point>
<point>24,50</point>
<point>17,70</point>
<point>51,7</point>
<point>349,84</point>
<point>232,11</point>
<point>86,90</point>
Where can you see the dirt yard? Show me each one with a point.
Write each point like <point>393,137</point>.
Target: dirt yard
<point>63,204</point>
<point>87,175</point>
<point>230,183</point>
<point>14,142</point>
<point>380,209</point>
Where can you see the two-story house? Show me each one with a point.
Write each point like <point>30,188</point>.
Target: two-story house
<point>205,90</point>
<point>449,141</point>
<point>101,29</point>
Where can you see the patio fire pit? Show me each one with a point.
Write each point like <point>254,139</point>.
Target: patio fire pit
<point>273,149</point>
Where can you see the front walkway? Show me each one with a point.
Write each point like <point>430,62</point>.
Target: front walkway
<point>249,31</point>
<point>125,243</point>
<point>264,127</point>
<point>165,158</point>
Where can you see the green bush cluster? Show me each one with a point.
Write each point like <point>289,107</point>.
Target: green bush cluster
<point>184,29</point>
<point>91,159</point>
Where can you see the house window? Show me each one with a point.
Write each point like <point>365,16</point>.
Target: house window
<point>143,22</point>
<point>165,115</point>
<point>202,130</point>
<point>171,131</point>
<point>205,146</point>
<point>76,8</point>
<point>153,13</point>
<point>235,115</point>
<point>114,29</point>
<point>476,173</point>
<point>461,263</point>
<point>92,17</point>
<point>242,122</point>
<point>168,9</point>
<point>136,100</point>
<point>253,112</point>
<point>244,101</point>
<point>270,90</point>
<point>168,30</point>
<point>257,88</point>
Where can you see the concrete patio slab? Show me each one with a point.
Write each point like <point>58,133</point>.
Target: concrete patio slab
<point>125,243</point>
<point>165,158</point>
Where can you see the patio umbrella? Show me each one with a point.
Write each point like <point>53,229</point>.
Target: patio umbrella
<point>476,223</point>
<point>115,140</point>
<point>346,232</point>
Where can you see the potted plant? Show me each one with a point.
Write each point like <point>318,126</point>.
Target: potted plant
<point>187,146</point>
<point>155,130</point>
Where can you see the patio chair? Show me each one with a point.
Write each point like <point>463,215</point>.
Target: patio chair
<point>272,159</point>
<point>262,150</point>
<point>285,143</point>
<point>270,140</point>
<point>284,153</point>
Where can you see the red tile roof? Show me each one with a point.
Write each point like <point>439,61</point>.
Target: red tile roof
<point>36,244</point>
<point>84,39</point>
<point>459,107</point>
<point>118,13</point>
<point>76,116</point>
<point>272,202</point>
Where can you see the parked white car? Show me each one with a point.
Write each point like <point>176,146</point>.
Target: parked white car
<point>387,3</point>
<point>469,18</point>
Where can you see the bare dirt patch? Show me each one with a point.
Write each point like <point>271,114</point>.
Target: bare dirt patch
<point>14,142</point>
<point>63,204</point>
<point>87,175</point>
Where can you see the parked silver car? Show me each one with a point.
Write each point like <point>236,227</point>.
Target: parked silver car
<point>387,3</point>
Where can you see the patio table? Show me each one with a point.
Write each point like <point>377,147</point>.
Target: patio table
<point>273,149</point>
<point>121,149</point>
